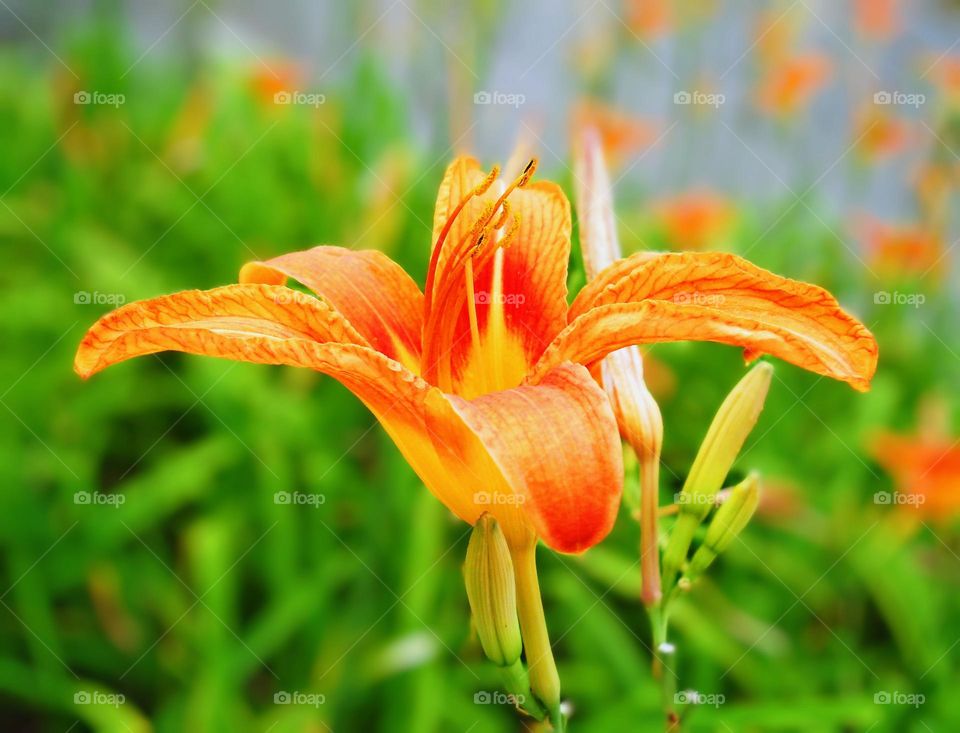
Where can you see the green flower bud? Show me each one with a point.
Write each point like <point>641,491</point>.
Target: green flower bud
<point>491,590</point>
<point>723,442</point>
<point>729,521</point>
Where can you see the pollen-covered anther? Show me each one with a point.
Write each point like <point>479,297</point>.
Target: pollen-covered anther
<point>504,213</point>
<point>527,173</point>
<point>511,233</point>
<point>480,226</point>
<point>485,184</point>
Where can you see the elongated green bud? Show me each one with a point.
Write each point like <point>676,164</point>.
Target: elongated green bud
<point>729,521</point>
<point>491,590</point>
<point>725,438</point>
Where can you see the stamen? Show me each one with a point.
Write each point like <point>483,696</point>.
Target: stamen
<point>527,173</point>
<point>472,314</point>
<point>478,190</point>
<point>504,213</point>
<point>487,182</point>
<point>480,225</point>
<point>439,324</point>
<point>507,238</point>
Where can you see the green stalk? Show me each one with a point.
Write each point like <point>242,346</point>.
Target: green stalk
<point>544,678</point>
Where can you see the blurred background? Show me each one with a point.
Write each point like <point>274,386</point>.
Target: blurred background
<point>153,575</point>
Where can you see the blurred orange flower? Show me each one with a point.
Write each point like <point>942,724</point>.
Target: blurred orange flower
<point>877,19</point>
<point>272,78</point>
<point>695,220</point>
<point>650,18</point>
<point>882,135</point>
<point>899,249</point>
<point>925,467</point>
<point>945,73</point>
<point>788,86</point>
<point>621,134</point>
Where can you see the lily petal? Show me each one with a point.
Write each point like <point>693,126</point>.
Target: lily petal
<point>534,283</point>
<point>552,450</point>
<point>275,325</point>
<point>607,328</point>
<point>718,297</point>
<point>372,291</point>
<point>267,324</point>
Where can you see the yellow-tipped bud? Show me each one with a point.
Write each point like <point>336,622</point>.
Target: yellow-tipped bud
<point>491,590</point>
<point>731,517</point>
<point>725,438</point>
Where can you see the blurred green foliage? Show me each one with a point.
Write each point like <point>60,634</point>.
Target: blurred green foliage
<point>199,598</point>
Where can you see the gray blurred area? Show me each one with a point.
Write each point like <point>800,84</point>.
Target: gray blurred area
<point>440,55</point>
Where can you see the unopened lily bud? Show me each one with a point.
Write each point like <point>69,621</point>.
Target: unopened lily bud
<point>638,415</point>
<point>491,590</point>
<point>729,521</point>
<point>725,438</point>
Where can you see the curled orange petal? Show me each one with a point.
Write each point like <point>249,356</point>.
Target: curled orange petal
<point>267,324</point>
<point>715,297</point>
<point>373,292</point>
<point>551,451</point>
<point>849,355</point>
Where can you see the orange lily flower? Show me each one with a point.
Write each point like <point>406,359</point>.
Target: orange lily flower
<point>791,84</point>
<point>267,80</point>
<point>882,135</point>
<point>695,220</point>
<point>621,134</point>
<point>877,19</point>
<point>924,467</point>
<point>899,249</point>
<point>649,18</point>
<point>482,380</point>
<point>946,75</point>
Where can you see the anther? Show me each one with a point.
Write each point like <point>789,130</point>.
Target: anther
<point>527,173</point>
<point>504,213</point>
<point>487,182</point>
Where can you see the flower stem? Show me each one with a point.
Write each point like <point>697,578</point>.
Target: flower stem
<point>544,679</point>
<point>663,657</point>
<point>650,592</point>
<point>517,683</point>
